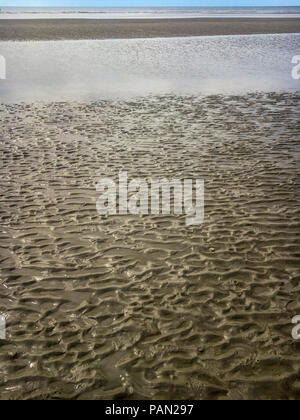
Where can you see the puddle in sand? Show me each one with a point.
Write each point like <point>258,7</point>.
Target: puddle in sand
<point>91,70</point>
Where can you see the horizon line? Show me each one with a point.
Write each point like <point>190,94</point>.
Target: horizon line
<point>161,7</point>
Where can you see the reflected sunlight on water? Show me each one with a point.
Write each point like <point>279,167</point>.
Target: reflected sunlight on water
<point>91,70</point>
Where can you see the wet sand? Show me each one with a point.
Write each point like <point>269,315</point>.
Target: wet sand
<point>144,307</point>
<point>56,29</point>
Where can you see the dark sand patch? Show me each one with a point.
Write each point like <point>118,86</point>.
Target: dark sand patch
<point>55,29</point>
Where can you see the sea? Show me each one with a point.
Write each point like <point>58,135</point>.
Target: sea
<point>145,12</point>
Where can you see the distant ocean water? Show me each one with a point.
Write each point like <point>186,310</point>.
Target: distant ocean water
<point>145,12</point>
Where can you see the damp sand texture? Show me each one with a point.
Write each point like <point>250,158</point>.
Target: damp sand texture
<point>58,29</point>
<point>144,307</point>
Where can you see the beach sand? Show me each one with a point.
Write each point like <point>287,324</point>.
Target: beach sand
<point>144,307</point>
<point>130,307</point>
<point>55,29</point>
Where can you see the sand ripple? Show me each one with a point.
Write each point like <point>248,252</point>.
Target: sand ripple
<point>144,307</point>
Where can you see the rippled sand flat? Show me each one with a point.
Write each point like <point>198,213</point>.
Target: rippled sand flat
<point>145,307</point>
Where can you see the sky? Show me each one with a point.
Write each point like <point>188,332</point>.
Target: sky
<point>136,3</point>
